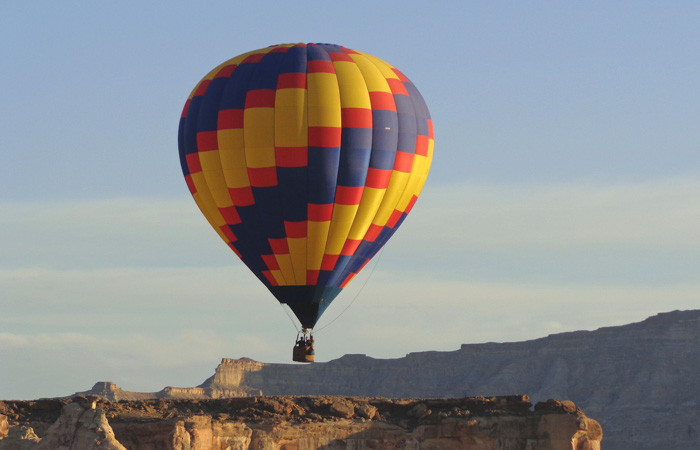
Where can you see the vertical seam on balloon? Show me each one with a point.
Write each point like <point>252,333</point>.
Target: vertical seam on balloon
<point>279,198</point>
<point>325,240</point>
<point>337,271</point>
<point>263,230</point>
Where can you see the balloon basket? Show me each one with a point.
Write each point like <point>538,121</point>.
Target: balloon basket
<point>304,347</point>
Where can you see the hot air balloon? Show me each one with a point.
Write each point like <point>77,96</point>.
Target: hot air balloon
<point>305,159</point>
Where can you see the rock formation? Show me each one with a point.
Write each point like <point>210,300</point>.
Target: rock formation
<point>504,423</point>
<point>638,380</point>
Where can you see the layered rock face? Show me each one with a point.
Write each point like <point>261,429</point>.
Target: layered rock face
<point>504,423</point>
<point>638,380</point>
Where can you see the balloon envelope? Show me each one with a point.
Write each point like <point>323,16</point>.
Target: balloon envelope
<point>305,159</point>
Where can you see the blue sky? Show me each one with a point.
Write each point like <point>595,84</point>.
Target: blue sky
<point>563,194</point>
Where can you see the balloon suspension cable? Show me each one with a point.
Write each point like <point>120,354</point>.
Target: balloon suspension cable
<point>376,262</point>
<point>291,319</point>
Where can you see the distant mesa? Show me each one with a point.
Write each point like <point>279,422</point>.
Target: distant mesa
<point>639,380</point>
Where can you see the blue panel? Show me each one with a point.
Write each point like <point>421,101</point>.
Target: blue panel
<point>339,274</point>
<point>354,156</point>
<point>190,126</point>
<point>317,53</point>
<point>181,146</point>
<point>293,185</point>
<point>420,109</point>
<point>267,201</point>
<point>294,61</point>
<point>407,124</point>
<point>382,159</point>
<point>385,130</point>
<point>237,87</point>
<point>209,110</point>
<point>265,76</point>
<point>250,232</point>
<point>323,174</point>
<point>419,104</point>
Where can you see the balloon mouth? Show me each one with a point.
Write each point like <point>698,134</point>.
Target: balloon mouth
<point>306,302</point>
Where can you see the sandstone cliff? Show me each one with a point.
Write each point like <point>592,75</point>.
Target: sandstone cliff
<point>638,380</point>
<point>503,423</point>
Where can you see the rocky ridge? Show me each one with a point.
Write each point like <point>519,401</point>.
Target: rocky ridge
<point>638,380</point>
<point>505,423</point>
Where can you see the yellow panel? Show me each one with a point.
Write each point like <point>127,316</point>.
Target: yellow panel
<point>397,183</point>
<point>291,123</point>
<point>337,237</point>
<point>369,204</point>
<point>373,76</point>
<point>316,243</point>
<point>325,116</point>
<point>417,171</point>
<point>353,90</point>
<point>323,100</point>
<point>258,127</point>
<point>290,97</point>
<point>297,251</point>
<point>344,213</point>
<point>237,178</point>
<point>210,161</point>
<point>341,223</point>
<point>285,263</point>
<point>206,202</point>
<point>277,275</point>
<point>231,145</point>
<point>383,66</point>
<point>218,189</point>
<point>260,156</point>
<point>323,89</point>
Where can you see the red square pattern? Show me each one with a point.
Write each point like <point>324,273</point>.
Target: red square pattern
<point>403,162</point>
<point>328,262</point>
<point>320,213</point>
<point>262,176</point>
<point>350,247</point>
<point>295,229</point>
<point>348,195</point>
<point>193,162</point>
<point>260,98</point>
<point>324,136</point>
<point>230,215</point>
<point>254,58</point>
<point>397,86</point>
<point>373,233</point>
<point>312,277</point>
<point>291,156</point>
<point>422,145</point>
<point>270,262</point>
<point>207,141</point>
<point>202,88</point>
<point>320,66</point>
<point>356,117</point>
<point>279,246</point>
<point>242,196</point>
<point>382,100</point>
<point>340,56</point>
<point>230,118</point>
<point>378,178</point>
<point>226,71</point>
<point>291,81</point>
